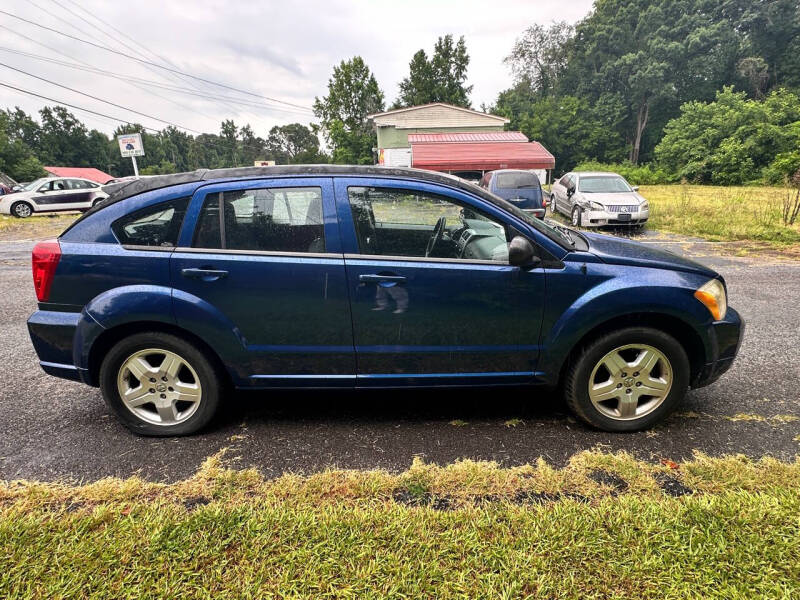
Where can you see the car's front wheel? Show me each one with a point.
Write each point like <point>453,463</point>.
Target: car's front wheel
<point>627,380</point>
<point>576,216</point>
<point>160,385</point>
<point>21,210</point>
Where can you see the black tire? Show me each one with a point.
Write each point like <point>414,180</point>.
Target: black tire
<point>576,214</point>
<point>21,207</point>
<point>576,381</point>
<point>210,380</point>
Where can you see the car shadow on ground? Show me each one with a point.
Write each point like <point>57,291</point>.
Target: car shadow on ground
<point>457,405</point>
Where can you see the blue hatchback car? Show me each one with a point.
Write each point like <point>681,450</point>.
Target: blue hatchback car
<point>179,287</point>
<point>520,187</point>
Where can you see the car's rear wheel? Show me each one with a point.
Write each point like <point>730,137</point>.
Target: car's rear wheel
<point>627,380</point>
<point>576,216</point>
<point>21,210</point>
<point>160,385</point>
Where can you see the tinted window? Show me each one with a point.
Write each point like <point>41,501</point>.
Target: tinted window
<point>157,225</point>
<point>604,185</point>
<point>394,222</point>
<point>77,184</point>
<point>268,219</point>
<point>516,180</point>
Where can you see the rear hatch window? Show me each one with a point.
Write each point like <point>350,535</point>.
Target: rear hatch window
<point>517,180</point>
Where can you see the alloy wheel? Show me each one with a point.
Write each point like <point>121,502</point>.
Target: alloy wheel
<point>22,210</point>
<point>630,382</point>
<point>159,386</point>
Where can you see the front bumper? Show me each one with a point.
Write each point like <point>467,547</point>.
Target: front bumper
<point>598,218</point>
<point>726,338</point>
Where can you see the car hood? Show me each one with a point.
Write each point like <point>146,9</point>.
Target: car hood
<point>619,251</point>
<point>628,198</point>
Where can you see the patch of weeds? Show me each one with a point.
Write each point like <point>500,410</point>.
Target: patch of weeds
<point>409,498</point>
<point>785,418</point>
<point>514,422</point>
<point>747,417</point>
<point>458,423</point>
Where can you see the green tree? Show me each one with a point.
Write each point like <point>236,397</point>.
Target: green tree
<point>16,158</point>
<point>732,139</point>
<point>569,127</point>
<point>230,136</point>
<point>540,56</point>
<point>441,78</point>
<point>293,143</point>
<point>353,93</point>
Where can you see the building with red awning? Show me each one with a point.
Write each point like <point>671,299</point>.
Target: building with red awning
<point>453,139</point>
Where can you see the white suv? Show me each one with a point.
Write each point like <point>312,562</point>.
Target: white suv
<point>50,194</point>
<point>594,199</point>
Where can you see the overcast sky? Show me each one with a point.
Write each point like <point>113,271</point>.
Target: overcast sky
<point>281,50</point>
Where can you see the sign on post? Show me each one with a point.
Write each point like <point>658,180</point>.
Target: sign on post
<point>130,144</point>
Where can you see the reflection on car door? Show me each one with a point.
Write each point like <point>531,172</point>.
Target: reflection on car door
<point>433,319</point>
<point>266,256</point>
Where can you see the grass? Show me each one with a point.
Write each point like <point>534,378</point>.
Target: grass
<point>604,526</point>
<point>721,213</point>
<point>35,227</point>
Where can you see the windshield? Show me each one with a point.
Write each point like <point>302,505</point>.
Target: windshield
<point>603,185</point>
<point>517,179</point>
<point>34,185</point>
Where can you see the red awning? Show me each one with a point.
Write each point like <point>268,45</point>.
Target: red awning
<point>84,172</point>
<point>467,136</point>
<point>481,156</point>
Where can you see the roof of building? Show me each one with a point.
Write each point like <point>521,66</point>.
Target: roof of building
<point>481,156</point>
<point>466,137</point>
<point>435,114</point>
<point>83,172</point>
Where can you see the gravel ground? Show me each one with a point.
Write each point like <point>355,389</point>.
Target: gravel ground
<point>57,430</point>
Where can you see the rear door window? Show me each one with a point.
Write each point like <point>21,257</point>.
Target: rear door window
<point>157,225</point>
<point>263,220</point>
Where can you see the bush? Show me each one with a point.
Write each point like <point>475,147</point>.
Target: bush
<point>635,174</point>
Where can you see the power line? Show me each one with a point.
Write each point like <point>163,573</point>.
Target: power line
<point>98,99</point>
<point>120,120</point>
<point>140,60</point>
<point>94,112</point>
<point>60,53</point>
<point>149,82</point>
<point>118,41</point>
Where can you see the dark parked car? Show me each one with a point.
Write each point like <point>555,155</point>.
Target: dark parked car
<point>521,188</point>
<point>180,286</point>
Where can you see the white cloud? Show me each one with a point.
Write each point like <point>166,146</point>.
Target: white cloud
<point>284,50</point>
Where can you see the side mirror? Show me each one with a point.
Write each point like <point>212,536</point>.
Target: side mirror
<point>635,188</point>
<point>42,190</point>
<point>570,191</point>
<point>521,253</point>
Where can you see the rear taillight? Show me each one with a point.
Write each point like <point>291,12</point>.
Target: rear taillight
<point>45,259</point>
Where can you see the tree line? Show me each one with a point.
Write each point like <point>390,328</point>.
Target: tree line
<point>59,138</point>
<point>700,90</point>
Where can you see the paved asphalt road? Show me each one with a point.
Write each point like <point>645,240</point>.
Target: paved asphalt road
<point>51,429</point>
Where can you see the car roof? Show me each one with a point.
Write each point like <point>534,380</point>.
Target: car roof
<point>597,173</point>
<point>126,189</point>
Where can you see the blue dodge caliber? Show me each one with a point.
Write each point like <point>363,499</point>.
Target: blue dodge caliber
<point>179,287</point>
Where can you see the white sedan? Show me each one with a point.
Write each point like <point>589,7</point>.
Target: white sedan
<point>51,194</point>
<point>594,199</point>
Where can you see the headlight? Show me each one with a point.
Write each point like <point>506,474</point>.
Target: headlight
<point>712,295</point>
<point>596,206</point>
<point>644,206</point>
